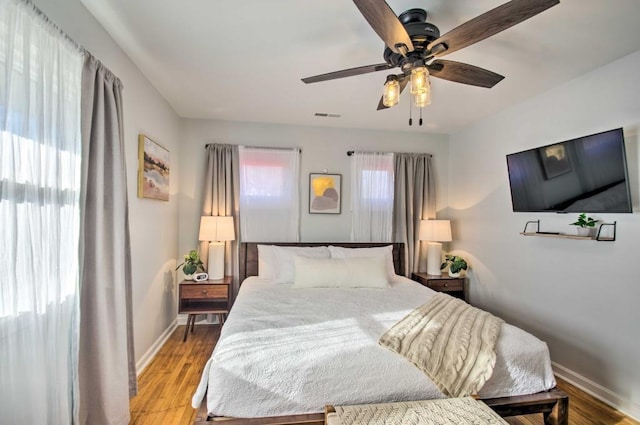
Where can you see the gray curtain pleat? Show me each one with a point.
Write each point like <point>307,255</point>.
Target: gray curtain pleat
<point>106,369</point>
<point>222,198</point>
<point>414,200</point>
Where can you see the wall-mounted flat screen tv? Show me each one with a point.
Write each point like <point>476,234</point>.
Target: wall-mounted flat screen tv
<point>588,174</point>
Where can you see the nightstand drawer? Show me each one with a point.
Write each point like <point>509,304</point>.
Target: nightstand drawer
<point>202,290</point>
<point>446,285</point>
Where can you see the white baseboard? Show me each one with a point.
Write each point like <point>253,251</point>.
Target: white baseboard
<point>625,405</point>
<point>153,350</point>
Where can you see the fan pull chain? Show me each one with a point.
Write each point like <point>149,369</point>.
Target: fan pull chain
<point>410,113</point>
<point>420,117</point>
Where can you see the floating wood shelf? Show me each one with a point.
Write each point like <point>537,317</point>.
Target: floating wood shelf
<point>598,237</point>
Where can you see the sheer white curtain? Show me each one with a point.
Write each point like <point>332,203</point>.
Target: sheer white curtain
<point>372,197</point>
<point>269,194</point>
<point>40,154</point>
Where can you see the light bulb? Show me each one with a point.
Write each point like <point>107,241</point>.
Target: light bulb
<point>419,79</point>
<point>422,99</point>
<point>391,93</point>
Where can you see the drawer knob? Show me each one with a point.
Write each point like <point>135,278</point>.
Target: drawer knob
<point>446,284</point>
<point>204,291</point>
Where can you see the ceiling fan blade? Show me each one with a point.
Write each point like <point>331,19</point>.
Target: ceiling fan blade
<point>488,24</point>
<point>386,24</point>
<point>403,80</point>
<point>464,73</point>
<point>347,73</point>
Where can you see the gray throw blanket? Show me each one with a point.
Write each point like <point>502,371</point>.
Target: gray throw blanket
<point>452,342</point>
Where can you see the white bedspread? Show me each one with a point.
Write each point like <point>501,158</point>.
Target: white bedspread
<point>287,351</point>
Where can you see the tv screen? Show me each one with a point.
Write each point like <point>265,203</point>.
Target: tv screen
<point>588,174</point>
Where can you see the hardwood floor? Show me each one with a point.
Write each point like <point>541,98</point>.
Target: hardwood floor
<point>167,384</point>
<point>165,387</point>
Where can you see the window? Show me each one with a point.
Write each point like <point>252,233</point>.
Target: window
<point>39,169</point>
<point>40,156</point>
<point>372,197</point>
<point>269,194</point>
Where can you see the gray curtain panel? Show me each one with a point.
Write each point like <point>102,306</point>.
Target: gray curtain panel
<point>222,198</point>
<point>414,200</point>
<point>106,363</point>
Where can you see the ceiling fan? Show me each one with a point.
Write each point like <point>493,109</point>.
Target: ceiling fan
<point>414,45</point>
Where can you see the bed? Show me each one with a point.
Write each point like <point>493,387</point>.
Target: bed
<point>286,352</point>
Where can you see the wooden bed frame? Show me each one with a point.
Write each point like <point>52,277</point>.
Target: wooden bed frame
<point>545,402</point>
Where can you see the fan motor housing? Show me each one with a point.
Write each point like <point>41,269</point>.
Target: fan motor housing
<point>421,34</point>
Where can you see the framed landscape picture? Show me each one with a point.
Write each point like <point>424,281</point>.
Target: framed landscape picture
<point>153,169</point>
<point>325,194</point>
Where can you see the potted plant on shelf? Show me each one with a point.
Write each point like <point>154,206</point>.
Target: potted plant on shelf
<point>585,225</point>
<point>456,265</point>
<point>191,264</point>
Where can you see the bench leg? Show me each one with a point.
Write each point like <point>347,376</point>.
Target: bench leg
<point>562,413</point>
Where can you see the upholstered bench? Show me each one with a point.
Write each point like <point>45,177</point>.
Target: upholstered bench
<point>449,411</point>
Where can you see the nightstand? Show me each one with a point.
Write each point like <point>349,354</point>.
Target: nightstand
<point>206,297</point>
<point>455,286</point>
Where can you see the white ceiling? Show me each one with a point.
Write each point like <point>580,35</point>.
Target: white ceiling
<point>243,60</point>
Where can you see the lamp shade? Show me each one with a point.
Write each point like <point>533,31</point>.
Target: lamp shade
<point>218,228</point>
<point>435,230</point>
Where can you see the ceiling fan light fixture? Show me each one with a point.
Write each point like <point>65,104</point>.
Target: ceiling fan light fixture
<point>423,98</point>
<point>391,93</point>
<point>419,79</point>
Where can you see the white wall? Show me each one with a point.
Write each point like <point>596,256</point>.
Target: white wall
<point>154,234</point>
<point>580,296</point>
<point>322,148</point>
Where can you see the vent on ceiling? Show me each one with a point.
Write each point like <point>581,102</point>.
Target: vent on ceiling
<point>326,115</point>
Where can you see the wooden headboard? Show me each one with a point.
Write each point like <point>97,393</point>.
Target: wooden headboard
<point>249,254</point>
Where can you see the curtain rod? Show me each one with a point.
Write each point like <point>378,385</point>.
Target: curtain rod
<point>47,21</point>
<point>260,147</point>
<point>350,153</point>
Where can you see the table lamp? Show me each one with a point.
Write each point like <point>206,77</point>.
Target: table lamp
<point>216,230</point>
<point>435,231</point>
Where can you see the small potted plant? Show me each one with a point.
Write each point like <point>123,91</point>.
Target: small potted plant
<point>456,265</point>
<point>585,225</point>
<point>191,264</point>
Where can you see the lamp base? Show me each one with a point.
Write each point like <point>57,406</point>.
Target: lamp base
<point>434,258</point>
<point>215,266</point>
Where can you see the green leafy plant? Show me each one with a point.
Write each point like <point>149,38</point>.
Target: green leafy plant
<point>584,221</point>
<point>455,263</point>
<point>191,263</point>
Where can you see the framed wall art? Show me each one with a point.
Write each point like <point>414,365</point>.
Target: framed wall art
<point>325,193</point>
<point>153,169</point>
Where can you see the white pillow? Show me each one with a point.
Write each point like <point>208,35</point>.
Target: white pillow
<point>285,255</point>
<point>267,262</point>
<point>370,272</point>
<point>381,251</point>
